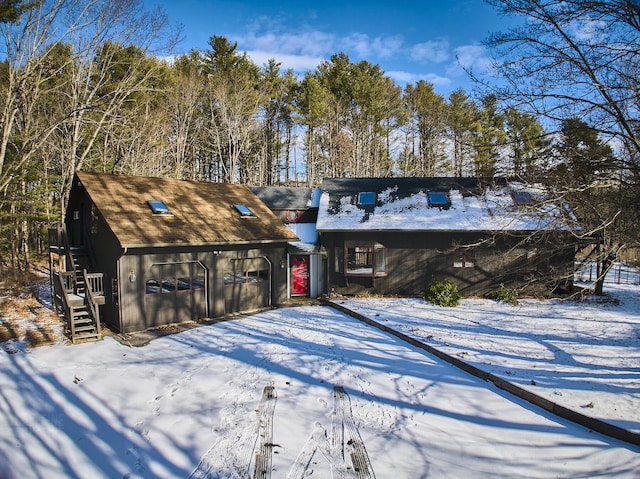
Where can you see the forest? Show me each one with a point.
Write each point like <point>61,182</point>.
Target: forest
<point>94,85</point>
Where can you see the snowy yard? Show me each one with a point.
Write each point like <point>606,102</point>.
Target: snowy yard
<point>291,384</point>
<point>580,355</point>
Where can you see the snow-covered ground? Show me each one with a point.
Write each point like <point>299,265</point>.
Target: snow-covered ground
<point>293,384</point>
<point>583,356</point>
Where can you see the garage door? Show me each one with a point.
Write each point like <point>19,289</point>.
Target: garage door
<point>175,292</point>
<point>247,285</point>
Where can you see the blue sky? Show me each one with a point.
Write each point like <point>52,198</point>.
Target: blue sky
<point>410,40</point>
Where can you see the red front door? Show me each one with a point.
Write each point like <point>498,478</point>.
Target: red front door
<point>299,275</point>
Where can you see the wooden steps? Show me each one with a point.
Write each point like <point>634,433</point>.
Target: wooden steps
<point>83,326</point>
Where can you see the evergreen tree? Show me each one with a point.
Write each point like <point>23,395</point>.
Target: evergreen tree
<point>425,155</point>
<point>488,138</point>
<point>527,144</point>
<point>462,117</point>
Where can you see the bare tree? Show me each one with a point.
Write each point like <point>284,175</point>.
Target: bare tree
<point>64,76</point>
<point>183,107</point>
<point>574,58</point>
<point>581,59</point>
<point>100,76</point>
<point>232,106</point>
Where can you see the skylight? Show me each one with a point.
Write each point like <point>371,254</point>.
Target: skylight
<point>158,207</point>
<point>367,198</point>
<point>243,210</point>
<point>438,199</point>
<point>521,197</point>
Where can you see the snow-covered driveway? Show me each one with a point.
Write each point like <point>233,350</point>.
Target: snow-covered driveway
<point>190,404</point>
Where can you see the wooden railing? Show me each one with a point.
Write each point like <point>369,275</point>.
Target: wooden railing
<point>94,282</point>
<point>91,298</point>
<point>58,237</point>
<point>63,286</point>
<point>76,295</point>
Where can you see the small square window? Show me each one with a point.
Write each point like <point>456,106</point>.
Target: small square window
<point>243,210</point>
<point>367,198</point>
<point>158,207</point>
<point>438,199</point>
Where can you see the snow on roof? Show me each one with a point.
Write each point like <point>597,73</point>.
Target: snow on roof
<point>505,207</point>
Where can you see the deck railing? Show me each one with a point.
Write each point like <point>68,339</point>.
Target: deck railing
<point>74,291</point>
<point>92,296</point>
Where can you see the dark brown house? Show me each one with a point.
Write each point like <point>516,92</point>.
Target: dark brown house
<point>171,251</point>
<point>396,235</point>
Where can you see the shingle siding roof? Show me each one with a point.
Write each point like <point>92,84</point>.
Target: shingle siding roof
<point>284,198</point>
<point>201,213</point>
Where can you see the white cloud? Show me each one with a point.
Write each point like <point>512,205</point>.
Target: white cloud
<point>470,57</point>
<point>589,31</point>
<point>309,43</point>
<point>368,48</point>
<point>319,44</point>
<point>436,51</point>
<point>404,77</point>
<point>297,63</point>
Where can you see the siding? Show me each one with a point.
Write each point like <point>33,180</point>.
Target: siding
<point>414,260</point>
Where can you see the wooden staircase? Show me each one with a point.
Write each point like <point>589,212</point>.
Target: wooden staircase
<point>77,294</point>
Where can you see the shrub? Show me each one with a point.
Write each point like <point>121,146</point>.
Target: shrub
<point>507,295</point>
<point>443,293</point>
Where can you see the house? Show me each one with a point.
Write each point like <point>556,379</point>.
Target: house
<point>167,251</point>
<point>298,209</point>
<point>396,235</point>
<point>141,253</point>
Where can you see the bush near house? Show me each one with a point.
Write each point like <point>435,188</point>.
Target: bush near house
<point>504,294</point>
<point>443,293</point>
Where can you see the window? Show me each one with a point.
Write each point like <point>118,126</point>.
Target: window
<point>255,276</point>
<point>522,198</point>
<point>173,285</point>
<point>464,258</point>
<point>168,285</point>
<point>184,284</point>
<point>244,211</point>
<point>152,286</point>
<point>365,260</point>
<point>158,207</point>
<point>367,198</point>
<point>438,199</point>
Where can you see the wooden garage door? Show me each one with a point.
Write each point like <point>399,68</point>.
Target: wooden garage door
<point>175,292</point>
<point>247,284</point>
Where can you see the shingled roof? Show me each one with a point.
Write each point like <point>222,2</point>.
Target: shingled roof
<point>439,204</point>
<point>286,198</point>
<point>199,213</point>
